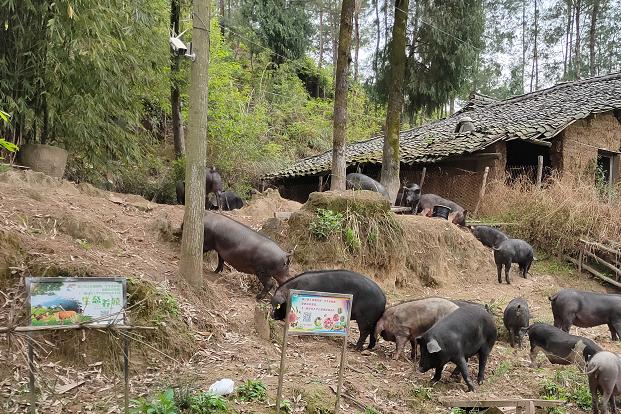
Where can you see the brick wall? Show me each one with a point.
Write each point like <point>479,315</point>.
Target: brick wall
<point>581,141</point>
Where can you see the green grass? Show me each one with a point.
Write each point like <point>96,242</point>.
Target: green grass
<point>569,385</point>
<point>552,266</point>
<point>252,390</point>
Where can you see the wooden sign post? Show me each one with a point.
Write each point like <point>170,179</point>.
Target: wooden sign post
<point>316,313</point>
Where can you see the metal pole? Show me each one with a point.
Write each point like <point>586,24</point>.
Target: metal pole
<point>126,370</point>
<point>31,372</point>
<point>338,388</point>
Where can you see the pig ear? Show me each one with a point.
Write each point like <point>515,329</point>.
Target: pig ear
<point>433,346</point>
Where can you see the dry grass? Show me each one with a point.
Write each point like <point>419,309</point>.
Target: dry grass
<point>555,216</point>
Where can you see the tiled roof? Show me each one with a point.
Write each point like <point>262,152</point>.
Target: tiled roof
<point>538,115</point>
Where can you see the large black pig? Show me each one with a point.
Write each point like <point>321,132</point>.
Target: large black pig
<point>604,371</point>
<point>515,318</point>
<point>513,251</point>
<point>213,184</point>
<point>559,346</point>
<point>467,331</point>
<point>587,309</point>
<point>357,181</point>
<point>428,201</point>
<point>246,250</point>
<point>489,236</point>
<point>226,200</point>
<point>411,196</point>
<point>368,304</point>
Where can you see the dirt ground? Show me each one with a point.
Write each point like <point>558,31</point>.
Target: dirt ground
<point>59,228</point>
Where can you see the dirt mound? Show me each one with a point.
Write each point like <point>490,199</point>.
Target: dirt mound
<point>357,230</point>
<point>264,205</point>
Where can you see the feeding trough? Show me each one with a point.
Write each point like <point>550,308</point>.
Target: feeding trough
<point>441,211</point>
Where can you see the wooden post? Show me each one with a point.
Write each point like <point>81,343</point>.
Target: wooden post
<point>581,258</point>
<point>126,371</point>
<point>338,388</point>
<point>482,191</point>
<point>283,356</point>
<point>31,375</point>
<point>320,183</point>
<point>539,170</point>
<point>422,179</point>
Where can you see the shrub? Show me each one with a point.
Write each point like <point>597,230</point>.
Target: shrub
<point>208,403</point>
<point>569,385</point>
<point>163,403</point>
<point>326,222</point>
<point>555,216</point>
<point>252,390</point>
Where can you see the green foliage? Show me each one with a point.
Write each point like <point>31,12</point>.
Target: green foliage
<point>279,25</point>
<point>286,407</point>
<point>370,410</point>
<point>252,390</point>
<point>208,403</point>
<point>421,393</point>
<point>163,403</point>
<point>326,222</point>
<point>351,239</point>
<point>569,385</point>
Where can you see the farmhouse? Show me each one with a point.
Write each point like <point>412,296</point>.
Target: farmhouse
<point>575,126</point>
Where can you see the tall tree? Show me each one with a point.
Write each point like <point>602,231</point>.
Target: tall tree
<point>339,165</point>
<point>391,157</point>
<point>357,7</point>
<point>534,75</point>
<point>524,46</point>
<point>191,263</point>
<point>320,62</point>
<point>175,94</point>
<point>282,26</point>
<point>568,26</point>
<point>377,38</point>
<point>592,36</point>
<point>577,54</point>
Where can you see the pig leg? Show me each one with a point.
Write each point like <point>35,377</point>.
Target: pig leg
<point>499,268</point>
<point>617,331</point>
<point>364,332</point>
<point>507,269</point>
<point>593,388</point>
<point>220,264</point>
<point>437,376</point>
<point>606,395</point>
<point>613,404</point>
<point>413,343</point>
<point>462,365</point>
<point>372,338</point>
<point>483,354</point>
<point>268,284</point>
<point>401,340</point>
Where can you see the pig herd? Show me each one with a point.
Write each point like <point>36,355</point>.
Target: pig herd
<point>444,331</point>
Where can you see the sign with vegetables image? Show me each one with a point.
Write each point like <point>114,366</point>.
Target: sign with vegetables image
<point>319,313</point>
<point>67,301</point>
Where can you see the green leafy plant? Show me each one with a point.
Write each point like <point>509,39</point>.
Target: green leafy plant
<point>326,222</point>
<point>568,385</point>
<point>351,239</point>
<point>370,410</point>
<point>421,393</point>
<point>252,390</point>
<point>163,403</point>
<point>9,146</point>
<point>208,403</point>
<point>286,407</point>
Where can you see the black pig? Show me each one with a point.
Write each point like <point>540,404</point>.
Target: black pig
<point>559,346</point>
<point>367,307</point>
<point>513,251</point>
<point>515,319</point>
<point>587,309</point>
<point>465,332</point>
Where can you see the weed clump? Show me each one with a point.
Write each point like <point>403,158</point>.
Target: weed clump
<point>569,385</point>
<point>252,390</point>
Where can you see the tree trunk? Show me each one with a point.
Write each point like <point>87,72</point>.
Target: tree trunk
<point>221,18</point>
<point>377,38</point>
<point>320,63</point>
<point>339,165</point>
<point>567,42</point>
<point>334,10</point>
<point>577,56</point>
<point>357,37</point>
<point>390,157</point>
<point>175,95</point>
<point>191,263</point>
<point>534,76</point>
<point>523,42</point>
<point>592,33</point>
